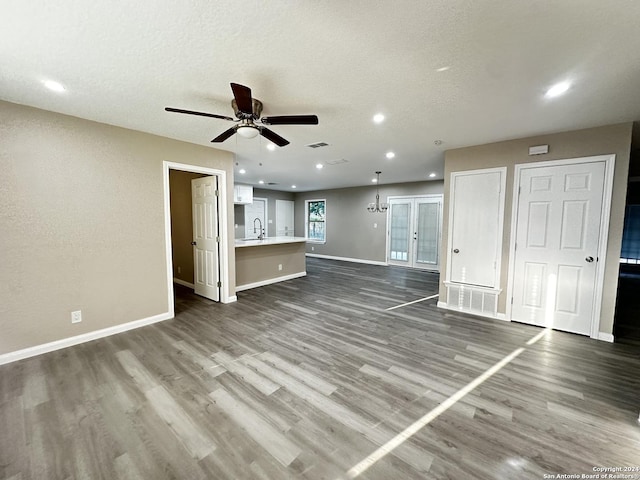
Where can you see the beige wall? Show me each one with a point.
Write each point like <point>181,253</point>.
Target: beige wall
<point>351,230</point>
<point>261,263</point>
<point>613,139</point>
<point>182,223</point>
<point>82,224</point>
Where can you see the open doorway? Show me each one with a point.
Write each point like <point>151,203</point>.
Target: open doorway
<point>182,226</point>
<point>179,228</point>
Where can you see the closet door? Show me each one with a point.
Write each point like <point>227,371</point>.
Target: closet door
<point>476,227</point>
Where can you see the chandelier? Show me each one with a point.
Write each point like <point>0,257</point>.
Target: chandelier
<point>378,207</point>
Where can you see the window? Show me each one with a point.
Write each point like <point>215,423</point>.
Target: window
<point>315,220</point>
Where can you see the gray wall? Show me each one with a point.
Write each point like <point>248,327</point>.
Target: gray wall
<point>82,224</point>
<point>271,196</point>
<point>351,229</point>
<point>614,139</point>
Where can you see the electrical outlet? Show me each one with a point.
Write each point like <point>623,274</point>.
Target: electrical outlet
<point>280,266</point>
<point>76,317</point>
<point>313,248</point>
<point>179,269</point>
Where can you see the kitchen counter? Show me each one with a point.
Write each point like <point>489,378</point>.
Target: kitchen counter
<point>274,259</point>
<point>268,241</point>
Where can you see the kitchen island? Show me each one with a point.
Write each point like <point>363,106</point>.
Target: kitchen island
<point>270,260</point>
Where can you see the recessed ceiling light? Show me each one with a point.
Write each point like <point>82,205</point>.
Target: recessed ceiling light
<point>293,186</point>
<point>557,89</point>
<point>261,182</point>
<point>271,147</point>
<point>54,86</point>
<point>390,155</point>
<point>319,166</point>
<point>242,171</point>
<point>374,180</point>
<point>432,174</point>
<point>378,118</point>
<point>442,69</point>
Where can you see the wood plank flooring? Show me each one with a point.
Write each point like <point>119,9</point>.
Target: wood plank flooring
<point>306,379</point>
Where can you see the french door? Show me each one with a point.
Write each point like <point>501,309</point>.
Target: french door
<point>414,231</point>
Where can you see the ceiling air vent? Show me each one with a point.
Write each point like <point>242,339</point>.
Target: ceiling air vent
<point>335,162</point>
<point>317,145</point>
<point>272,183</point>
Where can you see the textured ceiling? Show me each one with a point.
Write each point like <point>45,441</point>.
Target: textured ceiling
<point>123,62</point>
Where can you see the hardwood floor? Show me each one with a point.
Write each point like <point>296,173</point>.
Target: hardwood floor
<point>314,378</point>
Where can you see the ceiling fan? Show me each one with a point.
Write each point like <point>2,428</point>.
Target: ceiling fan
<point>249,123</point>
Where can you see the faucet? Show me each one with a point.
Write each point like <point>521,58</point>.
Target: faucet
<point>261,232</point>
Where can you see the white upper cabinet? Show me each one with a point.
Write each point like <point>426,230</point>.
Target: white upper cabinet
<point>242,194</point>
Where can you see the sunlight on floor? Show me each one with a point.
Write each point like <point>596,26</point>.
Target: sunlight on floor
<point>419,424</point>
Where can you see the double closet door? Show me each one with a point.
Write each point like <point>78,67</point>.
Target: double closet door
<point>414,231</point>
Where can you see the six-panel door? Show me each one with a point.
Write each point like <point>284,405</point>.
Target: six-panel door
<point>557,235</point>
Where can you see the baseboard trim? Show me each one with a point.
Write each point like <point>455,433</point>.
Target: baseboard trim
<point>78,339</point>
<point>262,283</point>
<point>606,337</point>
<point>497,316</point>
<point>347,259</point>
<point>183,283</point>
<point>231,299</point>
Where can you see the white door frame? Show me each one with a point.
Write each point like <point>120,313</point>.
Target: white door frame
<point>225,294</point>
<point>604,229</point>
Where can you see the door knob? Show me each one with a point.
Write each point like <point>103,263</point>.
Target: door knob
<point>455,250</point>
<point>193,243</point>
<point>589,259</point>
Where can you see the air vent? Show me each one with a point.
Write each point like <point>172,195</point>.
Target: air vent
<point>335,162</point>
<point>272,183</point>
<point>317,145</point>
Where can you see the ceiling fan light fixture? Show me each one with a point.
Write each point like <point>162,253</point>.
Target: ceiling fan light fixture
<point>248,131</point>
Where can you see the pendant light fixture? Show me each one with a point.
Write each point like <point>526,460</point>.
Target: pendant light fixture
<point>378,207</point>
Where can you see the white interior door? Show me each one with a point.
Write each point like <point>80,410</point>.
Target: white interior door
<point>557,237</point>
<point>252,211</point>
<point>284,218</point>
<point>206,237</point>
<point>476,227</point>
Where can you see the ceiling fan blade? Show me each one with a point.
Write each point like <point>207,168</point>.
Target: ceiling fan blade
<point>274,137</point>
<point>242,95</point>
<point>290,120</point>
<point>202,114</point>
<point>224,135</point>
